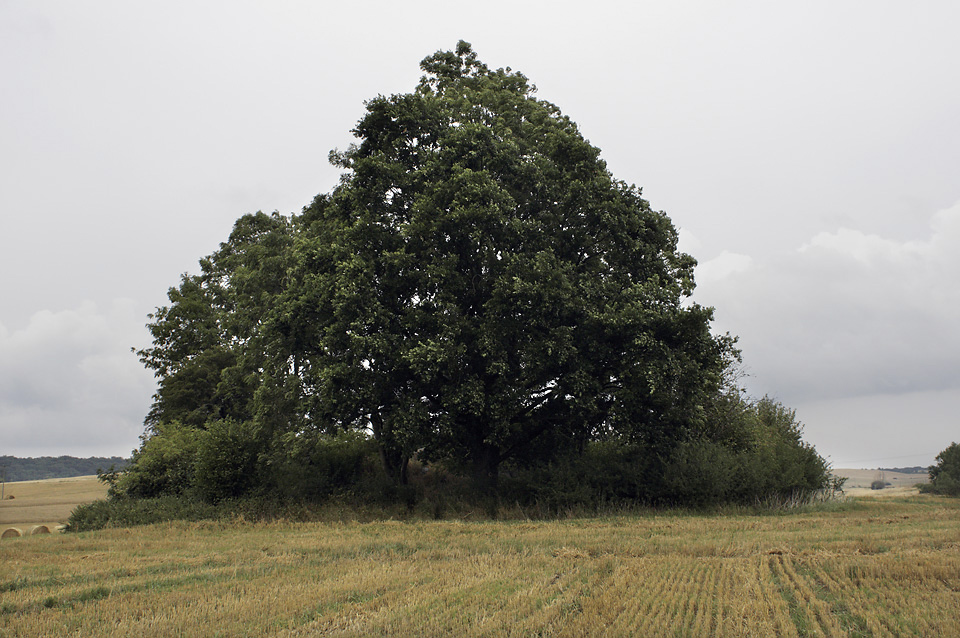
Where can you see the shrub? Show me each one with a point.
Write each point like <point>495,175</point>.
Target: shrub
<point>747,453</point>
<point>129,512</point>
<point>761,453</point>
<point>602,474</point>
<point>226,460</point>
<point>945,473</point>
<point>164,464</point>
<point>701,472</point>
<point>314,465</point>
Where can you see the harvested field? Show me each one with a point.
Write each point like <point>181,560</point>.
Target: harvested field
<point>861,479</point>
<point>48,502</point>
<point>872,567</point>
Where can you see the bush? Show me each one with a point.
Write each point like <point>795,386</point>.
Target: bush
<point>164,464</point>
<point>603,474</point>
<point>226,460</point>
<point>761,456</point>
<point>744,452</point>
<point>701,472</point>
<point>945,474</point>
<point>315,465</point>
<point>130,512</point>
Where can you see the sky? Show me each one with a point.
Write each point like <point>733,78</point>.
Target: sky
<point>809,154</point>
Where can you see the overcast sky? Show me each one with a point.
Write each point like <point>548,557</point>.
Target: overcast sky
<point>809,154</point>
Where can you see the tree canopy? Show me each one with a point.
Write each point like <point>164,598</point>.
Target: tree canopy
<point>945,473</point>
<point>488,284</point>
<point>478,292</point>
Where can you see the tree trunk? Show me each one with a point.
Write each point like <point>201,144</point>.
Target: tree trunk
<point>486,468</point>
<point>394,462</point>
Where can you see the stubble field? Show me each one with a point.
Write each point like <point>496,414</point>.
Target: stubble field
<point>27,504</point>
<point>873,567</point>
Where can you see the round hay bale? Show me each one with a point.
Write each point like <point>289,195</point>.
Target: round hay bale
<point>11,497</point>
<point>11,532</point>
<point>39,529</point>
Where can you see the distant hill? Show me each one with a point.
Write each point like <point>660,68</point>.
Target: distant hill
<point>13,468</point>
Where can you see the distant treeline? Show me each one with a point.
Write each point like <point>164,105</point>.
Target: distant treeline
<point>13,468</point>
<point>916,469</point>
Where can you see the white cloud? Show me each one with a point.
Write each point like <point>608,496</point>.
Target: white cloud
<point>863,247</point>
<point>871,249</point>
<point>687,242</point>
<point>70,385</point>
<point>846,314</point>
<point>722,266</point>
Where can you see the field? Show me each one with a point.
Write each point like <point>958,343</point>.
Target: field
<point>858,482</point>
<point>870,567</point>
<point>48,502</point>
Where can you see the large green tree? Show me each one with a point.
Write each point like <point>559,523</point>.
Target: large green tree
<point>479,288</point>
<point>208,347</point>
<point>478,291</point>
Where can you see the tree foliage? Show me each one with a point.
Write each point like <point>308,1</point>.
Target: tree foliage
<point>945,473</point>
<point>478,293</point>
<point>488,289</point>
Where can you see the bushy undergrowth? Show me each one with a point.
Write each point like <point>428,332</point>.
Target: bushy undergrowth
<point>130,512</point>
<point>697,474</point>
<point>747,454</point>
<point>752,453</point>
<point>456,502</point>
<point>606,479</point>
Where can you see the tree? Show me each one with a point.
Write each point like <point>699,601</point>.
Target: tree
<point>479,289</point>
<point>945,473</point>
<point>207,344</point>
<point>478,293</point>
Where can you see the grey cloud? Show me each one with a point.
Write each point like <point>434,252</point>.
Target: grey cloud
<point>68,382</point>
<point>845,314</point>
<point>882,430</point>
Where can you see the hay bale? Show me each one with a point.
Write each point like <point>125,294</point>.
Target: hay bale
<point>10,498</point>
<point>39,529</point>
<point>11,532</point>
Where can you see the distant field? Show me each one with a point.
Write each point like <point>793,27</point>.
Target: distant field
<point>901,484</point>
<point>48,502</point>
<point>870,567</point>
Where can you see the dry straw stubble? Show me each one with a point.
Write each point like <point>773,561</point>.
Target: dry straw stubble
<point>873,568</point>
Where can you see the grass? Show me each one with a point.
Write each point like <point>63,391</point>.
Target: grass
<point>874,567</point>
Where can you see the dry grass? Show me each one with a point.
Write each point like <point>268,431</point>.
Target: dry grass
<point>877,567</point>
<point>48,502</point>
